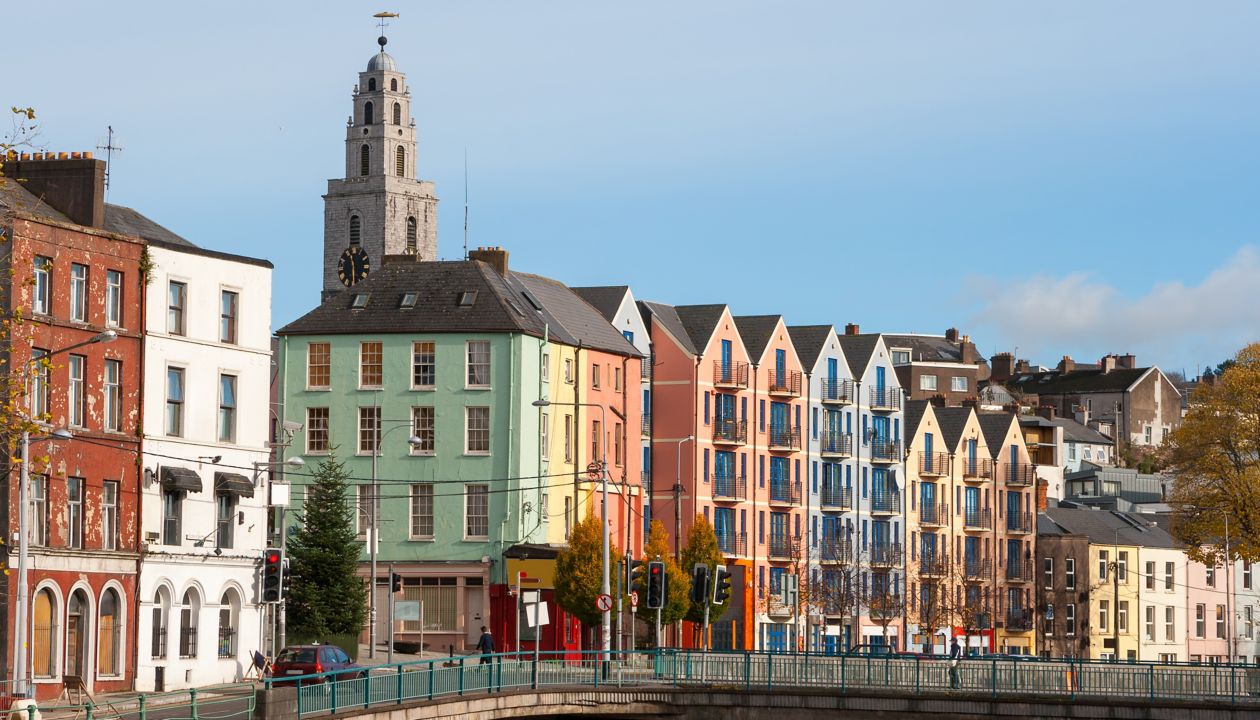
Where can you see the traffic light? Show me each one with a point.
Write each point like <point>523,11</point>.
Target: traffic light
<point>395,582</point>
<point>634,573</point>
<point>656,585</point>
<point>700,584</point>
<point>721,585</point>
<point>273,575</point>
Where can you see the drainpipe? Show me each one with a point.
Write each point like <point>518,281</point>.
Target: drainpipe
<point>139,524</point>
<point>757,418</point>
<point>856,498</point>
<point>810,431</point>
<point>577,434</point>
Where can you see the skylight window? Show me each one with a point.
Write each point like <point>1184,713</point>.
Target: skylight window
<point>467,298</point>
<point>533,301</point>
<point>408,300</point>
<point>360,301</point>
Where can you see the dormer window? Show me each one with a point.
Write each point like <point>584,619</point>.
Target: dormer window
<point>408,300</point>
<point>901,357</point>
<point>360,301</point>
<point>467,298</point>
<point>371,84</point>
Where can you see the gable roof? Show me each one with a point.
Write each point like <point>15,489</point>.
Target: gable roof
<point>952,421</point>
<point>700,321</point>
<point>580,321</point>
<point>667,317</point>
<point>914,412</point>
<point>858,350</point>
<point>756,331</point>
<point>606,299</point>
<point>926,348</point>
<point>995,426</point>
<point>809,341</point>
<point>1077,381</point>
<point>1076,432</point>
<point>1113,527</point>
<point>125,221</point>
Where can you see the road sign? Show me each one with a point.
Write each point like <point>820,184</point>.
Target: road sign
<point>407,610</point>
<point>603,603</point>
<point>634,598</point>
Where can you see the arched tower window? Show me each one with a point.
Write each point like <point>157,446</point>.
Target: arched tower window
<point>397,113</point>
<point>354,229</point>
<point>400,161</point>
<point>189,615</point>
<point>365,154</point>
<point>411,235</point>
<point>393,84</point>
<point>371,84</point>
<point>109,634</point>
<point>368,116</point>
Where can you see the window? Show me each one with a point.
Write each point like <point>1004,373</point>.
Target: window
<point>477,430</point>
<point>1048,569</point>
<point>408,300</point>
<point>1150,623</point>
<point>568,371</point>
<point>617,379</point>
<point>546,367</point>
<point>365,156</point>
<point>901,357</point>
<point>1249,623</point>
<point>1246,576</point>
<point>174,401</point>
<point>467,298</point>
<point>369,429</point>
<point>113,394</point>
<point>360,300</point>
<point>1049,617</point>
<point>109,515</point>
<point>958,383</point>
<point>422,511</point>
<point>369,116</point>
<point>1210,575</point>
<point>478,363</point>
<point>1150,575</point>
<point>227,316</point>
<point>1146,434</point>
<point>225,519</point>
<point>78,292</point>
<point>172,512</point>
<point>1104,606</point>
<point>371,87</point>
<point>1122,616</point>
<point>1103,556</point>
<point>37,394</point>
<point>356,225</point>
<point>476,511</point>
<point>227,628</point>
<point>411,235</point>
<point>227,408</point>
<point>424,420</point>
<point>74,512</point>
<point>317,430</point>
<point>1170,623</point>
<point>597,436</point>
<point>44,639</point>
<point>188,625</point>
<point>1168,576</point>
<point>568,438</point>
<point>393,84</point>
<point>400,160</point>
<point>109,637</point>
<point>545,439</point>
<point>43,284</point>
<point>176,303</point>
<point>366,510</point>
<point>397,108</point>
<point>423,365</point>
<point>617,444</point>
<point>76,399</point>
<point>1220,622</point>
<point>595,376</point>
<point>371,372</point>
<point>1122,568</point>
<point>318,366</point>
<point>113,298</point>
<point>1200,620</point>
<point>927,382</point>
<point>1069,619</point>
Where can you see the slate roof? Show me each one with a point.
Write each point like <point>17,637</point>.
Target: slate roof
<point>699,321</point>
<point>498,307</point>
<point>125,221</point>
<point>1100,527</point>
<point>1076,432</point>
<point>995,425</point>
<point>606,299</point>
<point>914,412</point>
<point>809,341</point>
<point>1046,526</point>
<point>1078,381</point>
<point>858,350</point>
<point>578,318</point>
<point>756,331</point>
<point>15,197</point>
<point>926,348</point>
<point>667,316</point>
<point>952,420</point>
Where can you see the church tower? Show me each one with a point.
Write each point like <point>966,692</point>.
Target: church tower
<point>379,208</point>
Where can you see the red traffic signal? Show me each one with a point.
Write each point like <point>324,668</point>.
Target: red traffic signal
<point>273,575</point>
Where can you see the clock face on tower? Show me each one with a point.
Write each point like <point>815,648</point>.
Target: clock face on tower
<point>354,265</point>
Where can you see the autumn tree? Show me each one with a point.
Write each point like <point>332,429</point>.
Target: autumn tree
<point>1215,458</point>
<point>702,549</point>
<point>579,571</point>
<point>677,581</point>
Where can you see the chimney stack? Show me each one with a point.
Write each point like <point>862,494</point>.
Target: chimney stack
<point>851,329</point>
<point>951,335</point>
<point>1067,365</point>
<point>1107,364</point>
<point>1046,411</point>
<point>496,257</point>
<point>1001,367</point>
<point>1127,361</point>
<point>73,187</point>
<point>1022,366</point>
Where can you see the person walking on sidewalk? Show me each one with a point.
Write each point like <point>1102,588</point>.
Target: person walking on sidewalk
<point>955,655</point>
<point>485,645</point>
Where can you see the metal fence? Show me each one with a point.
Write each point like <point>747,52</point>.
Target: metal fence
<point>978,677</point>
<point>218,702</point>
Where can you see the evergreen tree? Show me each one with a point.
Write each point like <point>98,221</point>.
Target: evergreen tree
<point>701,548</point>
<point>677,582</point>
<point>579,573</point>
<point>325,594</point>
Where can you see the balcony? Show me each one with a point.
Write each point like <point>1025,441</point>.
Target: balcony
<point>835,551</point>
<point>1019,523</point>
<point>645,370</point>
<point>936,513</point>
<point>977,569</point>
<point>732,375</point>
<point>1019,619</point>
<point>645,479</point>
<point>885,399</point>
<point>785,439</point>
<point>833,498</point>
<point>784,492</point>
<point>835,444</point>
<point>933,565</point>
<point>728,488</point>
<point>838,392</point>
<point>1020,571</point>
<point>1020,475</point>
<point>975,469</point>
<point>732,543</point>
<point>934,464</point>
<point>730,432</point>
<point>645,428</point>
<point>885,554</point>
<point>886,503</point>
<point>786,383</point>
<point>885,451</point>
<point>781,547</point>
<point>976,519</point>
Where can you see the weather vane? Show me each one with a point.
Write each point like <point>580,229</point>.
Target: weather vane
<point>383,16</point>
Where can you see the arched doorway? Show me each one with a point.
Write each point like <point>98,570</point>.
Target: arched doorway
<point>78,631</point>
<point>109,642</point>
<point>44,639</point>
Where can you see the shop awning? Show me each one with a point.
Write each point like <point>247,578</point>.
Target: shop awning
<point>178,478</point>
<point>233,484</point>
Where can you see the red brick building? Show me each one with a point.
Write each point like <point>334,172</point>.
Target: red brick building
<point>73,280</point>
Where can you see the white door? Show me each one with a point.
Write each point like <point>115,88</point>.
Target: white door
<point>475,605</point>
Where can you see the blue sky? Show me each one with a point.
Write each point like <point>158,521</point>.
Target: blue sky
<point>1068,178</point>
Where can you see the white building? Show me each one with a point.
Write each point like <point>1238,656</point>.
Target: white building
<point>1162,599</point>
<point>203,507</point>
<point>1246,579</point>
<point>1083,444</point>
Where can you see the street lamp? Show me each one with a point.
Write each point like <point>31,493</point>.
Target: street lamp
<point>678,488</point>
<point>604,587</point>
<point>375,506</point>
<point>21,620</point>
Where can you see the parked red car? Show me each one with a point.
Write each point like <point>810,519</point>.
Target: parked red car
<point>313,659</point>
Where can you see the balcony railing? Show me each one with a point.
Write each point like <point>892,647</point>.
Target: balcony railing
<point>835,550</point>
<point>1019,570</point>
<point>977,469</point>
<point>977,568</point>
<point>645,478</point>
<point>886,503</point>
<point>645,369</point>
<point>886,554</point>
<point>733,432</point>
<point>784,491</point>
<point>836,498</point>
<point>787,382</point>
<point>732,543</point>
<point>730,375</point>
<point>1020,474</point>
<point>837,391</point>
<point>935,513</point>
<point>977,519</point>
<point>885,399</point>
<point>728,487</point>
<point>1019,619</point>
<point>933,565</point>
<point>645,428</point>
<point>888,451</point>
<point>935,464</point>
<point>781,547</point>
<point>835,444</point>
<point>785,438</point>
<point>1019,522</point>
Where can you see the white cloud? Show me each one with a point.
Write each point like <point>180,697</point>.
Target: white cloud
<point>1173,325</point>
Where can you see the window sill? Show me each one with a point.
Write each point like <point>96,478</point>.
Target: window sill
<point>318,453</point>
<point>319,388</point>
<point>423,388</point>
<point>477,538</point>
<point>477,387</point>
<point>422,538</point>
<point>424,453</point>
<point>372,387</point>
<point>477,453</point>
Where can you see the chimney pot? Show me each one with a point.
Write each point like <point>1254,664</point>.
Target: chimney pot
<point>495,257</point>
<point>851,329</point>
<point>951,335</point>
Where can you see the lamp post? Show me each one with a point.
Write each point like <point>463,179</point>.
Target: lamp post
<point>278,612</point>
<point>605,586</point>
<point>678,497</point>
<point>21,621</point>
<point>375,507</point>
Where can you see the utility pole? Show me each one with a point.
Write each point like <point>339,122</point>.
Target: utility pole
<point>1115,584</point>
